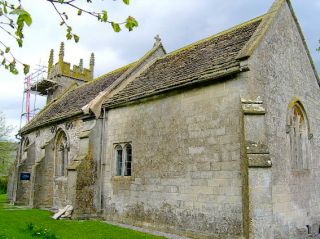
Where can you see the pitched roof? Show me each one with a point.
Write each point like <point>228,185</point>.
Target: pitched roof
<point>194,63</point>
<point>71,101</point>
<point>210,58</point>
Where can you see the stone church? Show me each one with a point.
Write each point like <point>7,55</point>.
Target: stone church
<point>219,139</point>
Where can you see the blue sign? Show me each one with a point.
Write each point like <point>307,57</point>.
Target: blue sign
<point>25,176</point>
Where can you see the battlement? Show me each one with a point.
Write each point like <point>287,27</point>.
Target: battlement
<point>62,68</point>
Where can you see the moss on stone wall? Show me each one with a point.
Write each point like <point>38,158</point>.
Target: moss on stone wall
<point>85,187</point>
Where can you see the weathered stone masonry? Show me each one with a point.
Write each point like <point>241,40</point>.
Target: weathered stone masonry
<point>218,139</point>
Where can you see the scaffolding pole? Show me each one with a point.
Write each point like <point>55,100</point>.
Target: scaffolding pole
<point>32,79</point>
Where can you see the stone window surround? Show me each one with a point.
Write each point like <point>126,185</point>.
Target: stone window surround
<point>297,120</point>
<point>57,148</point>
<point>25,146</point>
<point>123,146</point>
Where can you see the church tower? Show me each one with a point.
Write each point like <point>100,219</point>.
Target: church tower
<point>61,76</point>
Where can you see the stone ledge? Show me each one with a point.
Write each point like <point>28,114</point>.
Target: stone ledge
<point>84,134</point>
<point>259,161</point>
<point>256,148</point>
<point>253,109</point>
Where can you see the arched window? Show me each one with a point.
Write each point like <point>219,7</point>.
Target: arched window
<point>118,155</point>
<point>25,146</point>
<point>61,154</point>
<point>128,158</point>
<point>123,159</point>
<point>298,129</point>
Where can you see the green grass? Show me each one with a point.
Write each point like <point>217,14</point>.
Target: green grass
<point>14,223</point>
<point>3,185</point>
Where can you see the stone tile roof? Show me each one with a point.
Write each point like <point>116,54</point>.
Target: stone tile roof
<point>213,56</point>
<point>71,102</point>
<point>190,64</point>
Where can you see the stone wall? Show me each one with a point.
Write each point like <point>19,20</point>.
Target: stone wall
<point>45,189</point>
<point>281,72</point>
<point>186,163</point>
<point>24,187</point>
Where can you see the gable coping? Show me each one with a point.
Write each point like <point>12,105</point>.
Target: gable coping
<point>129,75</point>
<point>263,28</point>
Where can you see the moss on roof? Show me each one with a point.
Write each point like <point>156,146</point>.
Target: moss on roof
<point>73,99</point>
<point>190,64</point>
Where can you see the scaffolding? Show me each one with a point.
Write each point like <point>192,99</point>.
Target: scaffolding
<point>30,91</point>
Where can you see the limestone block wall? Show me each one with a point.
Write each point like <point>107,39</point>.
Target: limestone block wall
<point>43,178</point>
<point>186,174</point>
<point>25,166</point>
<point>45,189</point>
<point>281,71</point>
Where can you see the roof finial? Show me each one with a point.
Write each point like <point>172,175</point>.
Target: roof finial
<point>81,65</point>
<point>158,40</point>
<point>61,53</point>
<point>91,62</point>
<point>50,61</point>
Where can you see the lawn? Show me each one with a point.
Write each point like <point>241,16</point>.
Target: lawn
<point>21,223</point>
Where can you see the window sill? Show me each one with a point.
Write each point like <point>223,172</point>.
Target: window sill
<point>122,178</point>
<point>61,178</point>
<point>300,171</point>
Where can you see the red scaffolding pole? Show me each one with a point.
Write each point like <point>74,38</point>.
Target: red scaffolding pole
<point>27,112</point>
<point>27,93</point>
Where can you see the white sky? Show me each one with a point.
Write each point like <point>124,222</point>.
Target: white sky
<point>178,22</point>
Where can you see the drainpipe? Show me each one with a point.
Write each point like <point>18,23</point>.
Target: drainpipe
<point>102,153</point>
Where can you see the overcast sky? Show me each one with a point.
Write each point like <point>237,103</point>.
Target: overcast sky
<point>178,22</point>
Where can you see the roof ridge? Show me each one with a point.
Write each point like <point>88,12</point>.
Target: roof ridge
<point>235,27</point>
<point>113,71</point>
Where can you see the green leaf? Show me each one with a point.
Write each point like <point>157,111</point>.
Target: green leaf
<point>5,8</point>
<point>104,17</point>
<point>79,12</point>
<point>7,49</point>
<point>126,1</point>
<point>14,71</point>
<point>26,69</point>
<point>68,35</point>
<point>24,16</point>
<point>131,23</point>
<point>27,19</point>
<point>76,38</point>
<point>19,42</point>
<point>116,27</point>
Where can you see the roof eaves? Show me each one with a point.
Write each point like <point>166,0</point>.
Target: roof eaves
<point>205,78</point>
<point>51,121</point>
